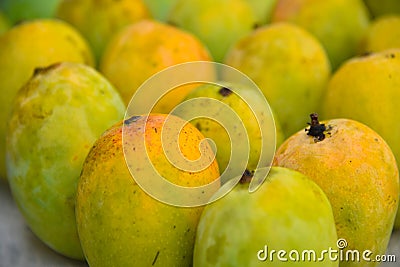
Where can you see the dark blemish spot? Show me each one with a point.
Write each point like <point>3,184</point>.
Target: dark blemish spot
<point>44,70</point>
<point>350,161</point>
<point>376,139</point>
<point>131,119</point>
<point>365,54</point>
<point>198,126</point>
<point>316,129</point>
<point>246,177</point>
<point>174,226</point>
<point>256,25</point>
<point>155,130</point>
<point>155,258</point>
<point>225,91</point>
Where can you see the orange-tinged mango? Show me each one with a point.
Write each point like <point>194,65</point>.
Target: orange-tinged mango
<point>357,170</point>
<point>119,224</point>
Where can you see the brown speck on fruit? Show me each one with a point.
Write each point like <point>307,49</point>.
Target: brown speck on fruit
<point>316,129</point>
<point>246,177</point>
<point>155,258</point>
<point>225,91</point>
<point>43,70</point>
<point>131,119</point>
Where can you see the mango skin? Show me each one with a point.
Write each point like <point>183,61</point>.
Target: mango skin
<point>118,223</point>
<point>99,20</point>
<point>357,171</point>
<point>290,67</point>
<point>383,7</point>
<point>26,46</point>
<point>288,211</point>
<point>217,133</point>
<point>338,24</point>
<point>4,23</point>
<point>218,24</point>
<point>366,89</point>
<point>57,116</point>
<point>382,34</point>
<point>144,48</point>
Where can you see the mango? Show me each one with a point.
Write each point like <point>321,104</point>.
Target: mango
<point>288,213</point>
<point>145,48</point>
<point>99,20</point>
<point>357,171</point>
<point>4,23</point>
<point>32,44</point>
<point>366,89</point>
<point>290,67</point>
<point>382,34</point>
<point>238,100</point>
<point>338,24</point>
<point>383,7</point>
<point>56,118</point>
<point>119,224</point>
<point>23,10</point>
<point>218,24</point>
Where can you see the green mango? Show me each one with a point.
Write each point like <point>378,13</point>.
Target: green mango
<point>288,212</point>
<point>217,132</point>
<point>22,10</point>
<point>218,24</point>
<point>56,118</point>
<point>26,46</point>
<point>338,24</point>
<point>290,67</point>
<point>99,20</point>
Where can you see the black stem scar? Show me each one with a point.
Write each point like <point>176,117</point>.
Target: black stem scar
<point>316,129</point>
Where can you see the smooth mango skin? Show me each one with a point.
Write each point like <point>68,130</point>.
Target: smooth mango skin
<point>22,10</point>
<point>215,131</point>
<point>288,212</point>
<point>118,223</point>
<point>383,7</point>
<point>366,89</point>
<point>382,34</point>
<point>57,116</point>
<point>26,46</point>
<point>99,20</point>
<point>289,66</point>
<point>263,10</point>
<point>160,9</point>
<point>338,24</point>
<point>4,23</point>
<point>145,48</point>
<point>218,24</point>
<point>357,171</point>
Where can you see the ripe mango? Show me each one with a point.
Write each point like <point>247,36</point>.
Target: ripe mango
<point>119,224</point>
<point>366,89</point>
<point>288,212</point>
<point>55,120</point>
<point>28,45</point>
<point>145,48</point>
<point>357,171</point>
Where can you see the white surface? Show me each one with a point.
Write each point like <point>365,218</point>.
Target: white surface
<point>20,247</point>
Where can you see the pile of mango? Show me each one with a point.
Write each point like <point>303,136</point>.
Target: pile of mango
<point>74,148</point>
